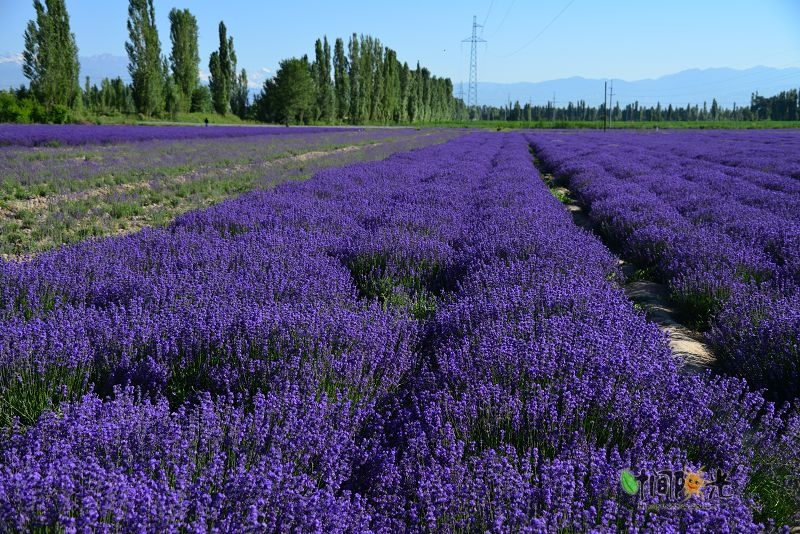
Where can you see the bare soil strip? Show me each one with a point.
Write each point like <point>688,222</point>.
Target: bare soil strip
<point>651,297</point>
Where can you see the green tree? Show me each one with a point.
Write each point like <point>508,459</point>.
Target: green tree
<point>50,58</point>
<point>714,109</point>
<point>405,91</point>
<point>172,97</point>
<point>366,71</point>
<point>144,55</point>
<point>341,80</point>
<point>86,90</point>
<point>222,65</point>
<point>290,97</point>
<point>322,77</point>
<point>237,84</point>
<point>355,80</point>
<point>184,58</point>
<point>264,102</point>
<point>239,95</point>
<point>376,111</point>
<point>201,100</point>
<point>391,87</point>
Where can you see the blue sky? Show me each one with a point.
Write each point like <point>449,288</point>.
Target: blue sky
<point>528,40</point>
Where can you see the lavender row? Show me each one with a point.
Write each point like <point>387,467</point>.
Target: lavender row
<point>726,239</point>
<point>423,343</point>
<point>73,134</point>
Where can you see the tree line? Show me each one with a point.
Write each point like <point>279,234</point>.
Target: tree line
<point>361,81</point>
<point>784,106</point>
<point>365,83</point>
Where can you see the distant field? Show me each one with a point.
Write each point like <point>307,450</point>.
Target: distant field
<point>55,195</point>
<point>55,135</point>
<point>635,125</point>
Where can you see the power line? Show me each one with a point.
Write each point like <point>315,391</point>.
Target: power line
<point>526,45</point>
<point>503,20</point>
<point>487,15</point>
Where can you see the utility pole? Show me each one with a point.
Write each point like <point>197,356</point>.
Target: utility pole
<point>605,106</point>
<point>610,99</point>
<point>472,93</point>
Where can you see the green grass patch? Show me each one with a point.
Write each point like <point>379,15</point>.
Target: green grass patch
<point>26,392</point>
<point>562,196</point>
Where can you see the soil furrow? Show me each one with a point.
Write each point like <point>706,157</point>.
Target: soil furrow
<point>651,297</point>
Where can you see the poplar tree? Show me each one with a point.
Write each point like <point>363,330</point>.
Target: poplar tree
<point>355,80</point>
<point>237,84</point>
<point>50,58</point>
<point>391,87</point>
<point>376,110</point>
<point>185,58</point>
<point>222,68</point>
<point>239,95</point>
<point>365,78</point>
<point>341,80</point>
<point>322,78</point>
<point>405,90</point>
<point>144,55</point>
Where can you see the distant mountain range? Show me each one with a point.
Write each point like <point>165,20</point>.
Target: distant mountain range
<point>693,86</point>
<point>95,67</point>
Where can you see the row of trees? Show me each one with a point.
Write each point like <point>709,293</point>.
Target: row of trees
<point>366,84</point>
<point>784,106</point>
<point>50,57</point>
<point>158,85</point>
<point>362,81</point>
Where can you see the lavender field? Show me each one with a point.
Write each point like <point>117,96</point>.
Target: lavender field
<point>423,342</point>
<point>54,195</point>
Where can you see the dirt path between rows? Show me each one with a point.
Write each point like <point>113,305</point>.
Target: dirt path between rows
<point>651,297</point>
